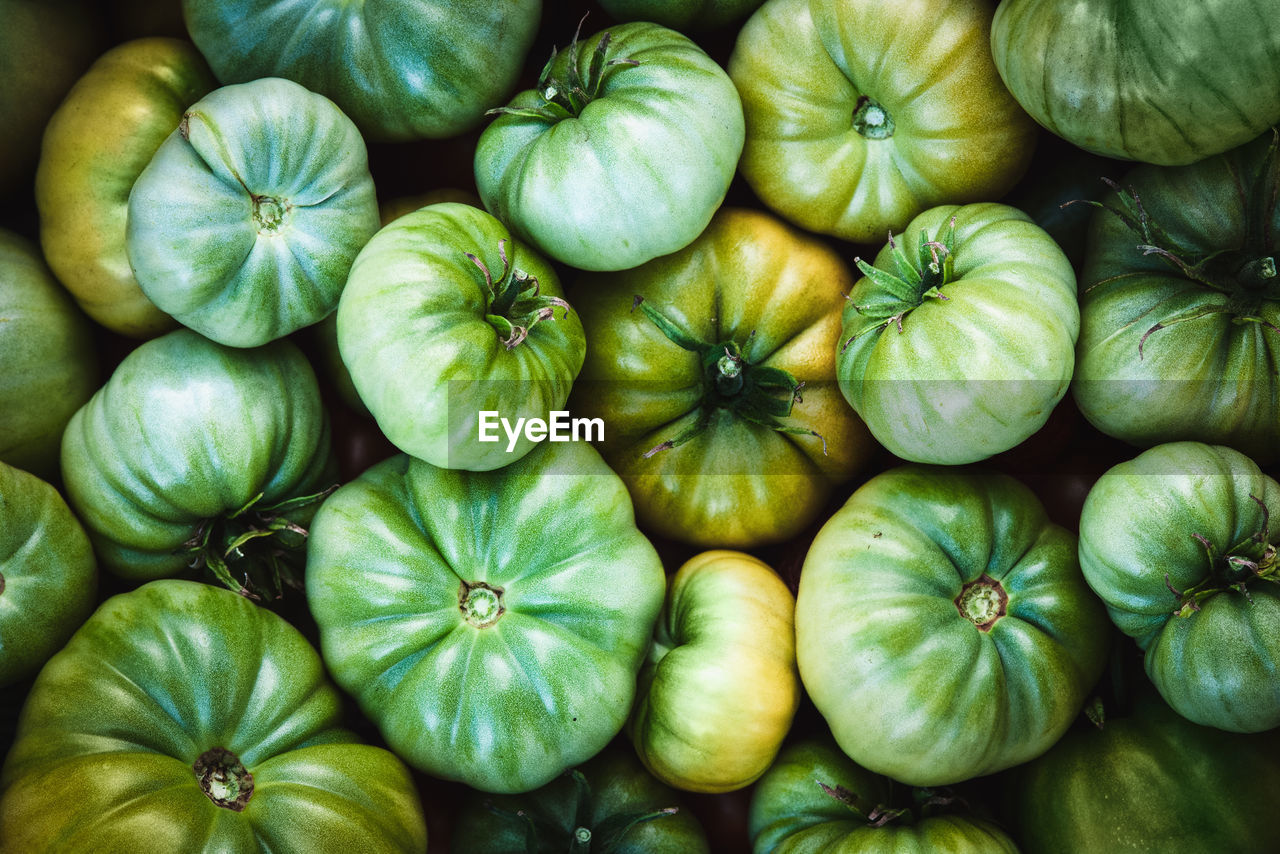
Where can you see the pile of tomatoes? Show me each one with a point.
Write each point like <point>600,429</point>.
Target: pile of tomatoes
<point>640,425</point>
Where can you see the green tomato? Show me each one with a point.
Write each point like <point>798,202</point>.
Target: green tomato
<point>860,115</point>
<point>682,14</point>
<point>491,624</point>
<point>402,69</point>
<point>244,224</point>
<point>814,800</point>
<point>719,689</point>
<point>95,147</point>
<point>1149,781</point>
<point>609,805</point>
<point>1180,305</point>
<point>1161,81</point>
<point>943,628</point>
<point>198,454</point>
<point>699,389</point>
<point>1178,543</point>
<point>961,339</point>
<point>50,362</point>
<point>48,577</point>
<point>621,154</point>
<point>445,317</point>
<point>182,717</point>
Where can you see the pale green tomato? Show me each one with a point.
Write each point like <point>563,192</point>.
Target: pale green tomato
<point>244,225</point>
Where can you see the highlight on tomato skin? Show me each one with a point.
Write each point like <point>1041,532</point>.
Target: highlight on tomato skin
<point>626,287</point>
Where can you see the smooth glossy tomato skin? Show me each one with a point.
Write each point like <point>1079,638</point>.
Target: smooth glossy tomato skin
<point>1179,543</point>
<point>1182,342</point>
<point>139,733</point>
<point>490,623</point>
<point>860,115</point>
<point>943,628</point>
<point>95,147</point>
<point>1160,81</point>
<point>402,69</point>
<point>815,800</point>
<point>754,282</point>
<point>48,576</point>
<point>634,174</point>
<point>971,359</point>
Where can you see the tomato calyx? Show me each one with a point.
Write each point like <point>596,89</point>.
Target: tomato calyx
<point>516,301</point>
<point>758,394</point>
<point>925,802</point>
<point>270,213</point>
<point>983,602</point>
<point>871,119</point>
<point>480,603</point>
<point>566,97</point>
<point>224,779</point>
<point>1254,559</point>
<point>255,548</point>
<point>586,837</point>
<point>889,297</point>
<point>1248,276</point>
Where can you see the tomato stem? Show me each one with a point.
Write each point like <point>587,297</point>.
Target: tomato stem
<point>516,301</point>
<point>872,120</point>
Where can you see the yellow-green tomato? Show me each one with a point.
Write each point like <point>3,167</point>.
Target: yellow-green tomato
<point>860,114</point>
<point>719,689</point>
<point>95,147</point>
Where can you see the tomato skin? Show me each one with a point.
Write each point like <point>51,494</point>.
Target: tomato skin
<point>978,369</point>
<point>792,815</point>
<point>1164,356</point>
<point>244,224</point>
<point>48,577</point>
<point>1160,81</point>
<point>402,69</point>
<point>1149,781</point>
<point>777,294</point>
<point>719,689</point>
<point>187,431</point>
<point>637,173</point>
<point>49,358</point>
<point>95,147</point>
<point>415,330</point>
<point>1140,541</point>
<point>954,133</point>
<point>433,587</point>
<point>911,684</point>
<point>117,723</point>
<point>614,788</point>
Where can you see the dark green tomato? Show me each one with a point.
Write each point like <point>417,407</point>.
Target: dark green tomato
<point>445,316</point>
<point>1180,305</point>
<point>1150,782</point>
<point>860,115</point>
<point>1161,81</point>
<point>48,576</point>
<point>610,805</point>
<point>490,623</point>
<point>244,224</point>
<point>181,718</point>
<point>815,800</point>
<point>959,342</point>
<point>698,387</point>
<point>684,15</point>
<point>622,153</point>
<point>95,147</point>
<point>1181,544</point>
<point>198,454</point>
<point>943,628</point>
<point>50,366</point>
<point>402,69</point>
